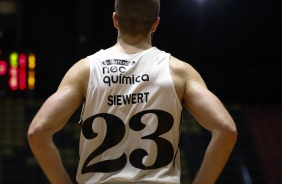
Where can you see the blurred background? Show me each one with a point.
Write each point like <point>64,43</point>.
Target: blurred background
<point>235,46</point>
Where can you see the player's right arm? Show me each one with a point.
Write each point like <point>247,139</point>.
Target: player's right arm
<point>210,113</point>
<point>52,116</point>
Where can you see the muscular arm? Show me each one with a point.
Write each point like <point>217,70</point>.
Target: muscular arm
<point>209,111</point>
<point>52,116</point>
<point>212,115</point>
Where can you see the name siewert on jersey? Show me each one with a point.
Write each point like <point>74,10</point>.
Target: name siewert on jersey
<point>115,66</point>
<point>128,99</point>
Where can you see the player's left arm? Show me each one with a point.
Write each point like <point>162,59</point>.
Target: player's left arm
<point>52,116</point>
<point>210,113</point>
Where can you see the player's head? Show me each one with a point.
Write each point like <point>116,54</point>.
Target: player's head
<point>136,17</point>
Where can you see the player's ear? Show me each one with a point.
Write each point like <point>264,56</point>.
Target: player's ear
<point>115,20</point>
<point>155,25</point>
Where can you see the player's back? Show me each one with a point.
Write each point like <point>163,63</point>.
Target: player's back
<point>131,120</point>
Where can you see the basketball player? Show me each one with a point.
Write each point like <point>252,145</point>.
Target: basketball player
<point>132,95</point>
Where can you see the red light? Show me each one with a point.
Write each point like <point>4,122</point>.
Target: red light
<point>22,72</point>
<point>22,60</point>
<point>13,71</point>
<point>13,80</point>
<point>22,79</point>
<point>17,70</point>
<point>13,83</point>
<point>3,67</point>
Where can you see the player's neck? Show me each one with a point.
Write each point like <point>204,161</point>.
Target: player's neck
<point>131,45</point>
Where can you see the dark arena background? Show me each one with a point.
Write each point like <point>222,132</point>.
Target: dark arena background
<point>236,46</point>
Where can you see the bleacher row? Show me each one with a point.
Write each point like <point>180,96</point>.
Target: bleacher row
<point>257,158</point>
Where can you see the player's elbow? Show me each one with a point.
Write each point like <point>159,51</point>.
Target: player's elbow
<point>36,136</point>
<point>233,135</point>
<point>33,136</point>
<point>230,133</point>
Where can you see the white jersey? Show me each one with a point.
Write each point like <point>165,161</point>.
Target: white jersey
<point>130,121</point>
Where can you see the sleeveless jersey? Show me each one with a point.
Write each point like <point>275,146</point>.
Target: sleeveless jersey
<point>131,120</point>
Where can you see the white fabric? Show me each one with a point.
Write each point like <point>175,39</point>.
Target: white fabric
<point>129,89</point>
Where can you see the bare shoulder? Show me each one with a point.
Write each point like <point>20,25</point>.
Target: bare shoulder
<point>177,65</point>
<point>179,71</point>
<point>184,75</point>
<point>77,76</point>
<point>78,71</point>
<point>183,70</point>
<point>81,66</point>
